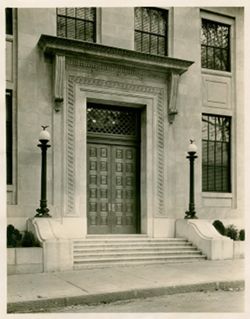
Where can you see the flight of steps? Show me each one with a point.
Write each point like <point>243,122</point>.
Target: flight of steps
<point>109,250</point>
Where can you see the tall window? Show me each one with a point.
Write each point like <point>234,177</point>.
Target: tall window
<point>77,23</point>
<point>151,28</point>
<point>9,151</point>
<point>9,21</point>
<point>216,140</point>
<point>215,45</point>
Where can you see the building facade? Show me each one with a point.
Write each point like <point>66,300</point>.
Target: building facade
<point>123,90</point>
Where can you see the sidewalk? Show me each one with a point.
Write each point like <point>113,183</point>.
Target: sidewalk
<point>28,292</point>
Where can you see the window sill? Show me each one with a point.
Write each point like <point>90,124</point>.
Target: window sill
<point>9,37</point>
<point>10,188</point>
<point>216,72</point>
<point>216,195</point>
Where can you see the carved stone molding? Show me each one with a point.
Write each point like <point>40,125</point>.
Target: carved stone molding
<point>156,92</point>
<point>59,76</point>
<point>95,67</point>
<point>70,149</point>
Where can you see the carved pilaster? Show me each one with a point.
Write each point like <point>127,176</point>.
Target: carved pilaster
<point>59,75</point>
<point>173,81</point>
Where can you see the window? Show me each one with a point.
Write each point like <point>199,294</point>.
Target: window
<point>9,21</point>
<point>215,45</point>
<point>151,27</point>
<point>216,140</point>
<point>9,134</point>
<point>77,23</point>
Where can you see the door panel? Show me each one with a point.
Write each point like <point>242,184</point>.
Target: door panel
<point>99,191</point>
<point>123,193</point>
<point>113,193</point>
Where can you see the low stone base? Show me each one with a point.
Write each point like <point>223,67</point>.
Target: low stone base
<point>239,249</point>
<point>24,260</point>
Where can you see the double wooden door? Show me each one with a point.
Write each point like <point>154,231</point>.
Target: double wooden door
<point>113,189</point>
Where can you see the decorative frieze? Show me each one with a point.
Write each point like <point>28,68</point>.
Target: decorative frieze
<point>126,86</point>
<point>95,67</point>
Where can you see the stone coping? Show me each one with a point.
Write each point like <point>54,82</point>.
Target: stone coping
<point>52,45</point>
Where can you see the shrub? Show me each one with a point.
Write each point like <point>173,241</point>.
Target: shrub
<point>29,240</point>
<point>242,234</point>
<point>232,232</point>
<point>14,237</point>
<point>219,227</point>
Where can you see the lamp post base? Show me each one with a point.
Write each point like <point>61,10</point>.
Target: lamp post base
<point>42,212</point>
<point>190,215</point>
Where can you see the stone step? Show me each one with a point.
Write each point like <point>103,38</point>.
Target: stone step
<point>121,239</point>
<point>113,236</point>
<point>127,259</point>
<point>129,242</point>
<point>138,262</point>
<point>117,255</point>
<point>102,249</point>
<point>124,249</point>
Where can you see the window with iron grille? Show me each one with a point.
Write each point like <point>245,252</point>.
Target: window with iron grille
<point>215,45</point>
<point>216,145</point>
<point>77,23</point>
<point>9,152</point>
<point>151,29</point>
<point>113,121</point>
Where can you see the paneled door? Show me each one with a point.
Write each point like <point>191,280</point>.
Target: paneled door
<point>113,189</point>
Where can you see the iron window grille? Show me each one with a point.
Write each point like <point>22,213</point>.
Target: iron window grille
<point>151,30</point>
<point>9,136</point>
<point>215,45</point>
<point>112,121</point>
<point>216,151</point>
<point>77,23</point>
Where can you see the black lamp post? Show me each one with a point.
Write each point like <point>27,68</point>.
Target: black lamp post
<point>192,149</point>
<point>44,138</point>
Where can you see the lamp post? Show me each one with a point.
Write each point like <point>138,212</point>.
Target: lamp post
<point>44,138</point>
<point>192,149</point>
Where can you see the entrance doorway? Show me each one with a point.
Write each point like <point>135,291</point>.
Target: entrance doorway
<point>113,169</point>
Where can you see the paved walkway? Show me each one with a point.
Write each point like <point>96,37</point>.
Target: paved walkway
<point>37,291</point>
